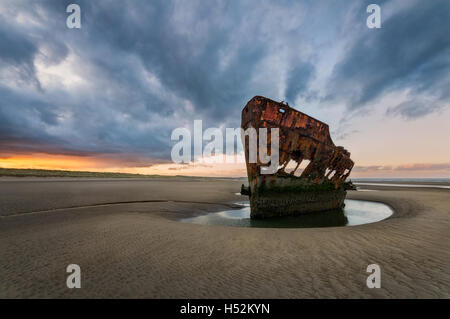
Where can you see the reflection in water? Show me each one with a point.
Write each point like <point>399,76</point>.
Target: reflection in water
<point>356,212</point>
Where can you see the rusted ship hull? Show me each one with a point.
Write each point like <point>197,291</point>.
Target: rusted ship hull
<point>292,190</point>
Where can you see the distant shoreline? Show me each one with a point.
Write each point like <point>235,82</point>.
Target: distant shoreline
<point>19,172</point>
<point>23,172</point>
<point>399,182</point>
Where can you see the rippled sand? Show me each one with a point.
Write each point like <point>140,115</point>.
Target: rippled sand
<point>137,248</point>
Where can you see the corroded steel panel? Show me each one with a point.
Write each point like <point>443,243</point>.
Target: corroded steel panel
<point>301,138</point>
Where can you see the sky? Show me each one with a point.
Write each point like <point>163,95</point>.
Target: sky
<point>107,96</point>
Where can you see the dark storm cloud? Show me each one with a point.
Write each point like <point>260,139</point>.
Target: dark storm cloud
<point>151,66</point>
<point>24,121</point>
<point>138,69</point>
<point>298,80</point>
<point>415,108</point>
<point>410,51</point>
<point>186,63</point>
<point>18,51</point>
<point>14,48</point>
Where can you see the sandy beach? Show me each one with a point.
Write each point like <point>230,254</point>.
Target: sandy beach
<point>126,237</point>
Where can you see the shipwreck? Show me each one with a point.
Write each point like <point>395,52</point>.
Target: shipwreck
<point>291,189</point>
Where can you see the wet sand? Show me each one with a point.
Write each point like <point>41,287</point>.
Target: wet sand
<point>125,236</point>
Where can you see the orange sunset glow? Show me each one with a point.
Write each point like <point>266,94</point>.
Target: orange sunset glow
<point>54,162</point>
<point>96,163</point>
<point>61,109</point>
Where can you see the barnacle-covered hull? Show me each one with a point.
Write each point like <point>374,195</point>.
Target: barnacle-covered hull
<point>292,190</point>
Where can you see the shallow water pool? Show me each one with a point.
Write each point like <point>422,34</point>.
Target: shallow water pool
<point>356,212</point>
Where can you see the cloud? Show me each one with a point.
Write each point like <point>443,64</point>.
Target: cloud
<point>413,109</point>
<point>135,70</point>
<point>138,69</point>
<point>371,168</point>
<point>423,167</point>
<point>404,167</point>
<point>411,51</point>
<point>298,80</point>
